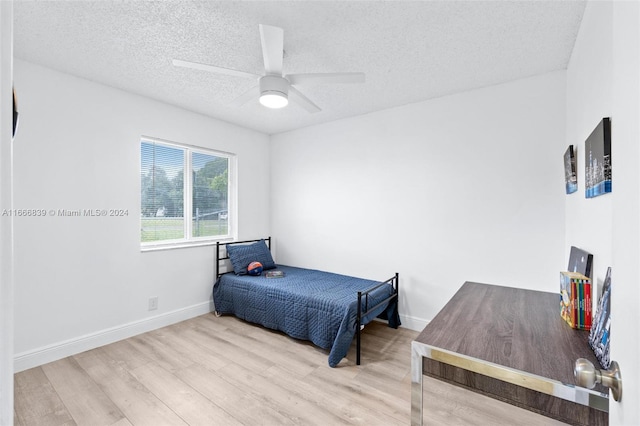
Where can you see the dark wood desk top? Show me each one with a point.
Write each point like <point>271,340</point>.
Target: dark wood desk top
<point>515,328</point>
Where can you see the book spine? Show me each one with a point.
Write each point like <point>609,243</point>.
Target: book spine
<point>588,306</point>
<point>563,304</point>
<point>584,303</point>
<point>585,299</point>
<point>581,303</point>
<point>571,314</point>
<point>576,300</point>
<point>574,307</point>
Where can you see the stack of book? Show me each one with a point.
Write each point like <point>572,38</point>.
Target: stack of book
<point>575,300</point>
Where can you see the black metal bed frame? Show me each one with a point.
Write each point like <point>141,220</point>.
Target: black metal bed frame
<point>393,281</point>
<point>226,256</point>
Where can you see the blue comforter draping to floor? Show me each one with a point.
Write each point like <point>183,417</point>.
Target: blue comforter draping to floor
<point>306,304</point>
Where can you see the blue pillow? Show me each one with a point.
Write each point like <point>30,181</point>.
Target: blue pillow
<point>241,255</point>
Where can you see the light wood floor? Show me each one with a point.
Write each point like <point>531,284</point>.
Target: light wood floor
<point>223,371</point>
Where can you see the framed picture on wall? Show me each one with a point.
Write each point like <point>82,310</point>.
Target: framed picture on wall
<point>597,160</point>
<point>600,334</point>
<point>570,172</point>
<point>15,113</point>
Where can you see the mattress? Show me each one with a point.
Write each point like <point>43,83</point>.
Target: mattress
<point>317,306</point>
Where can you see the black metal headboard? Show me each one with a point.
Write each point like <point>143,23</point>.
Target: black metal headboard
<point>220,259</point>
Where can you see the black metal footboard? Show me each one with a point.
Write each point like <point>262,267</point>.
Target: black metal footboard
<point>360,313</point>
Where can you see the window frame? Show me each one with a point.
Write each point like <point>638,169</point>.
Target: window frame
<point>187,193</point>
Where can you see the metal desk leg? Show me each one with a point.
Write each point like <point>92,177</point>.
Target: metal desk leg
<point>416,384</point>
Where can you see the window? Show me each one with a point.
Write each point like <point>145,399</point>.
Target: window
<point>177,208</point>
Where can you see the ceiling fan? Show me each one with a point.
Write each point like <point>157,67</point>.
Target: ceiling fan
<point>274,89</point>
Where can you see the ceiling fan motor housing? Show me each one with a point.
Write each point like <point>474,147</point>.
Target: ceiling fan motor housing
<point>274,84</point>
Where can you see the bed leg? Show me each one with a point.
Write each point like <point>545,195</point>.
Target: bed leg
<point>358,328</point>
<point>217,261</point>
<point>397,298</point>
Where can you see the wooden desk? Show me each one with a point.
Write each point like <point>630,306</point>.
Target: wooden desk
<point>509,344</point>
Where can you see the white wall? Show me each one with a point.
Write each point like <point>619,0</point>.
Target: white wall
<point>589,99</point>
<point>467,187</point>
<point>625,340</point>
<point>6,242</point>
<point>603,81</point>
<point>82,281</point>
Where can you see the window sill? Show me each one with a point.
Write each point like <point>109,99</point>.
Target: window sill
<point>173,246</point>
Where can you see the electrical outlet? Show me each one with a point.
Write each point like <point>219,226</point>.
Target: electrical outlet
<point>153,303</point>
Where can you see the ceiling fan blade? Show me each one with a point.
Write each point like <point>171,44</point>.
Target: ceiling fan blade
<point>272,48</point>
<point>302,100</point>
<point>319,78</point>
<point>211,68</point>
<point>254,92</point>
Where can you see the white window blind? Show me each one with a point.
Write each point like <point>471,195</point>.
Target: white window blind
<point>178,208</point>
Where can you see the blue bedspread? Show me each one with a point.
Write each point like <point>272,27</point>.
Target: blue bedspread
<point>306,304</point>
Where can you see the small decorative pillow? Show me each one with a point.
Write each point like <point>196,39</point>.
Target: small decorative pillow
<point>242,255</point>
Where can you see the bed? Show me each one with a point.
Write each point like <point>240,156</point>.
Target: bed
<point>325,308</point>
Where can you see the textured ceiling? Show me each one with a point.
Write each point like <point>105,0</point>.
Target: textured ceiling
<point>410,51</point>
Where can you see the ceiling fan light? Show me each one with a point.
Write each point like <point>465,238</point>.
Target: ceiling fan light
<point>274,99</point>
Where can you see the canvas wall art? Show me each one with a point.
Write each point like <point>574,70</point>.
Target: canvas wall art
<point>570,171</point>
<point>597,156</point>
<point>600,334</point>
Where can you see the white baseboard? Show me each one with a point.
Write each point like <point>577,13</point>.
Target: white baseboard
<point>413,323</point>
<point>25,360</point>
<point>34,358</point>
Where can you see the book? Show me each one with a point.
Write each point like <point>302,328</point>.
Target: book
<point>588,304</point>
<point>274,274</point>
<point>575,300</point>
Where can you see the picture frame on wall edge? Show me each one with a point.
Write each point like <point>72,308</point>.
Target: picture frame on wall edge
<point>570,171</point>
